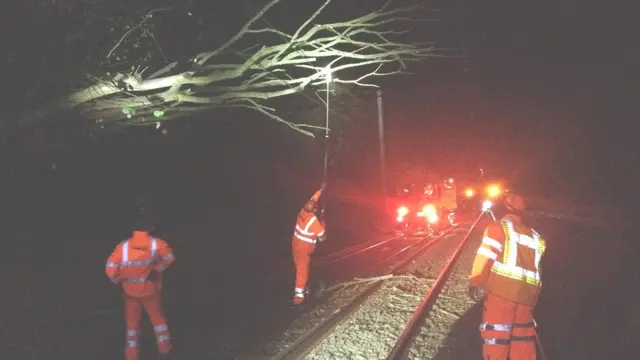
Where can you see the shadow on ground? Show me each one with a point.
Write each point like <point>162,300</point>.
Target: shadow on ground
<point>463,342</point>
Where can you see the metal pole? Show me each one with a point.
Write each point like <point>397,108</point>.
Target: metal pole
<point>383,170</point>
<point>326,133</point>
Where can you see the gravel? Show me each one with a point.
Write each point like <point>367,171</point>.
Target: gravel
<point>373,329</point>
<point>305,322</point>
<point>450,330</point>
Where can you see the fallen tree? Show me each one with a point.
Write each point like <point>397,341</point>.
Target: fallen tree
<point>235,76</point>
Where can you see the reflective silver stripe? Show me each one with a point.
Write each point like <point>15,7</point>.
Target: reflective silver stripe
<point>496,341</point>
<point>154,248</point>
<point>305,234</point>
<point>516,271</point>
<point>302,231</point>
<point>110,264</point>
<point>311,221</point>
<point>492,242</point>
<point>132,343</point>
<point>125,254</point>
<point>125,251</point>
<point>309,240</point>
<point>494,327</point>
<point>126,262</point>
<point>160,328</point>
<point>167,257</point>
<point>137,263</point>
<point>132,332</point>
<point>163,338</point>
<point>487,253</point>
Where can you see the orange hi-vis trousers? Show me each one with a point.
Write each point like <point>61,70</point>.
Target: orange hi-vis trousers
<point>133,312</point>
<point>302,251</point>
<point>507,330</point>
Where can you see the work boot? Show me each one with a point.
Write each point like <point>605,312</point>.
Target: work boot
<point>131,354</point>
<point>297,300</point>
<point>164,348</point>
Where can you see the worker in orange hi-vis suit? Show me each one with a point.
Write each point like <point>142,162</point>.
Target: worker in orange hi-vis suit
<point>507,268</point>
<point>137,263</point>
<point>308,231</point>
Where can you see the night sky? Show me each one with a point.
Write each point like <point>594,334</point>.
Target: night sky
<point>549,93</point>
<point>545,96</point>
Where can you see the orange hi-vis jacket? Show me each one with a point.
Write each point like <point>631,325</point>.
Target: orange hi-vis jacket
<point>308,227</point>
<point>507,264</point>
<point>449,199</point>
<point>134,259</point>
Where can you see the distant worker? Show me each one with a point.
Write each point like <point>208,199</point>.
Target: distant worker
<point>138,263</point>
<point>308,231</point>
<point>448,198</point>
<point>507,268</point>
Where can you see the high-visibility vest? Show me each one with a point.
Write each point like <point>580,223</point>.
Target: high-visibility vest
<point>305,229</point>
<point>515,275</point>
<point>147,263</point>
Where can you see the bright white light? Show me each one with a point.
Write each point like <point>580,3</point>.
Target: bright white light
<point>326,72</point>
<point>486,205</point>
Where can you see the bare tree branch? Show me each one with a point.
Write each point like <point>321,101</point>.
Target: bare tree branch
<point>144,19</point>
<point>354,50</point>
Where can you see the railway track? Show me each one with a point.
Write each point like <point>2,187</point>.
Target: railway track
<point>308,341</point>
<point>323,340</point>
<point>353,333</point>
<point>333,258</point>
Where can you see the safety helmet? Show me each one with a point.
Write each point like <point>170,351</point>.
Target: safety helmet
<point>310,205</point>
<point>448,183</point>
<point>515,202</point>
<point>142,215</point>
<point>144,223</point>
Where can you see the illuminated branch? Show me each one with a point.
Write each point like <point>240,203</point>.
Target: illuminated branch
<point>363,46</point>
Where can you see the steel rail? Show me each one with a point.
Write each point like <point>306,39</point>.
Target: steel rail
<point>402,344</point>
<point>330,259</point>
<point>334,258</point>
<point>305,344</point>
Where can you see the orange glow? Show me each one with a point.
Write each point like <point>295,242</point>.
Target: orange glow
<point>468,192</point>
<point>494,190</point>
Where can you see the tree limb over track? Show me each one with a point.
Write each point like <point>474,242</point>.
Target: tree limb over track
<point>355,51</point>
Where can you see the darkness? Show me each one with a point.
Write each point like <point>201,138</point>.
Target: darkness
<point>545,98</point>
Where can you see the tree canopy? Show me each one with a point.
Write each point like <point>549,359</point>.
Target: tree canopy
<point>125,63</point>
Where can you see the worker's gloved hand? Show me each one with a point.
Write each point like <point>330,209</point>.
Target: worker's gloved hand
<point>476,293</point>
